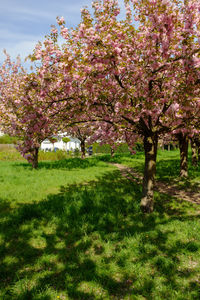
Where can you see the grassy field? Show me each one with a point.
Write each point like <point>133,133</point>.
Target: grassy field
<point>9,153</point>
<point>167,169</point>
<point>73,230</point>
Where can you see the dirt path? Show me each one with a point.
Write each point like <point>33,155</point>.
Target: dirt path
<point>172,189</point>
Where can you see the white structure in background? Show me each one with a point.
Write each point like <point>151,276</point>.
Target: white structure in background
<point>46,145</point>
<point>74,143</point>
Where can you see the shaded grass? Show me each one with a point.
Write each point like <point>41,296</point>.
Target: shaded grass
<point>68,164</point>
<point>74,230</point>
<point>167,167</point>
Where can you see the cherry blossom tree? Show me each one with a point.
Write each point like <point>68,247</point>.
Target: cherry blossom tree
<point>142,79</point>
<point>25,115</point>
<point>136,77</point>
<point>194,151</point>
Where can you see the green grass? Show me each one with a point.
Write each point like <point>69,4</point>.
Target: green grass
<point>19,183</point>
<point>167,170</point>
<point>73,230</point>
<point>11,154</point>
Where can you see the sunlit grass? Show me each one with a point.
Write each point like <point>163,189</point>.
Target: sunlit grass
<point>19,183</point>
<point>8,153</point>
<point>73,230</point>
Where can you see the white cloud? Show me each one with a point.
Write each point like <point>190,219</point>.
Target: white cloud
<point>24,22</point>
<point>11,36</point>
<point>16,43</point>
<point>42,9</point>
<point>22,48</point>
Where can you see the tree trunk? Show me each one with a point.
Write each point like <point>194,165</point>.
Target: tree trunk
<point>183,146</point>
<point>112,151</point>
<point>194,152</point>
<point>82,149</point>
<point>198,149</point>
<point>35,158</point>
<point>150,148</point>
<point>163,145</point>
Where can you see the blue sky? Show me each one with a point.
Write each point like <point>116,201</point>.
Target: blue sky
<point>24,22</point>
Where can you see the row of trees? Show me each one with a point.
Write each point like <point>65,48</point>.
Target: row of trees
<point>120,80</point>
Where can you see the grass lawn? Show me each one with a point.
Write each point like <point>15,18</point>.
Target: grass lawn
<point>73,230</point>
<point>168,166</point>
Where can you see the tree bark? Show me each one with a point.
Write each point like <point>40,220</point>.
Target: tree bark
<point>112,151</point>
<point>183,146</point>
<point>194,152</point>
<point>83,148</point>
<point>198,149</point>
<point>150,148</point>
<point>35,158</point>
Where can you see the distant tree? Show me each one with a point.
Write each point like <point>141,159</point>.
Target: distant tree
<point>53,140</point>
<point>66,140</point>
<point>24,113</point>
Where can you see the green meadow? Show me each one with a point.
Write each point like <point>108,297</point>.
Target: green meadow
<point>73,230</point>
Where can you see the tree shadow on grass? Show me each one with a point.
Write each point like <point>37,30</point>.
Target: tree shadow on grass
<point>119,157</point>
<point>92,242</point>
<point>68,163</point>
<point>167,169</point>
<point>75,163</point>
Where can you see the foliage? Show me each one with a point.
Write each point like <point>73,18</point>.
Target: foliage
<point>53,140</point>
<point>122,148</point>
<point>97,148</point>
<point>76,152</point>
<point>106,148</point>
<point>59,154</point>
<point>66,140</point>
<point>11,154</point>
<point>139,146</point>
<point>6,139</point>
<point>24,113</point>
